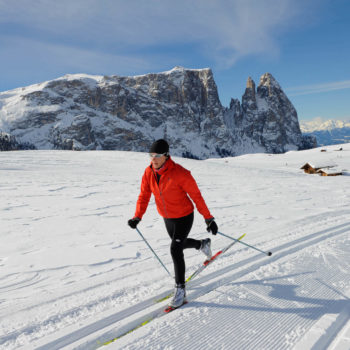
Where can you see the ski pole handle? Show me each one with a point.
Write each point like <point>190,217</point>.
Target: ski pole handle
<point>248,245</point>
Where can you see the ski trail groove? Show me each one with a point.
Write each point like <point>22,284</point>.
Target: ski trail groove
<point>342,340</point>
<point>253,263</point>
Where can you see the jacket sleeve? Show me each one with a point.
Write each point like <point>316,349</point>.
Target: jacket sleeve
<point>189,185</point>
<point>144,197</point>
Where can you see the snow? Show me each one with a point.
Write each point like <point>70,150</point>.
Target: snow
<point>318,124</point>
<point>262,104</point>
<point>176,69</point>
<point>73,274</point>
<point>268,80</point>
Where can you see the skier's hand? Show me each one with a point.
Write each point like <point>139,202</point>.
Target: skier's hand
<point>134,222</point>
<point>211,226</point>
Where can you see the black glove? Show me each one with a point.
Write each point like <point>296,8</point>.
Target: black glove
<point>133,222</point>
<point>211,226</point>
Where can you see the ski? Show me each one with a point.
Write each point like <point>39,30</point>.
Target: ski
<point>207,262</point>
<point>160,312</point>
<point>204,265</point>
<point>171,308</point>
<point>99,344</point>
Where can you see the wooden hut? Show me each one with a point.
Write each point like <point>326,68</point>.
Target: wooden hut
<point>311,168</point>
<point>308,168</point>
<point>327,172</point>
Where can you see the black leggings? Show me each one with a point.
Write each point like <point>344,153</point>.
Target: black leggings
<point>178,230</point>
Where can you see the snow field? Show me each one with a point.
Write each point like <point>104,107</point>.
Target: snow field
<point>280,289</point>
<point>74,273</point>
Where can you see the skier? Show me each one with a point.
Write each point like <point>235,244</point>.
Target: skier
<point>171,184</point>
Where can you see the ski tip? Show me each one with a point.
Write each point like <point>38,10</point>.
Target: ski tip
<point>269,253</point>
<point>171,308</point>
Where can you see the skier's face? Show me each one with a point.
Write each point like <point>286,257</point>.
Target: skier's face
<point>157,162</point>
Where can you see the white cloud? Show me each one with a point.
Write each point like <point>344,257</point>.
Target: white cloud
<point>318,88</point>
<point>223,31</point>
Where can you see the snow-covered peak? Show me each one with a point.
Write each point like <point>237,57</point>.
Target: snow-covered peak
<point>269,81</point>
<point>318,124</point>
<point>183,69</point>
<point>175,69</point>
<point>70,77</point>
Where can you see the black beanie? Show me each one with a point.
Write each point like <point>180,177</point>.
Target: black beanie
<point>159,146</point>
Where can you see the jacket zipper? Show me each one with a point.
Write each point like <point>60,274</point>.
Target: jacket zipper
<point>161,194</point>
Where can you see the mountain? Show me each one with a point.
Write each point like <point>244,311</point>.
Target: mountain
<point>266,118</point>
<point>84,112</point>
<point>328,132</point>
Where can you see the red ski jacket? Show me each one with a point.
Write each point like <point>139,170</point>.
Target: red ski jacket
<point>171,194</point>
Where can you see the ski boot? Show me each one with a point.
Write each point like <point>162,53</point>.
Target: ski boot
<point>206,248</point>
<point>179,297</point>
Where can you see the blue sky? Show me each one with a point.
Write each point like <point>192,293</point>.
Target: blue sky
<point>304,44</point>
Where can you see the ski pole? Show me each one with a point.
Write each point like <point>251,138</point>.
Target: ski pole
<point>138,231</point>
<point>248,245</point>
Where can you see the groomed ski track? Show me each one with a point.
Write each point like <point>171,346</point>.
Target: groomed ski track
<point>236,301</point>
<point>75,276</point>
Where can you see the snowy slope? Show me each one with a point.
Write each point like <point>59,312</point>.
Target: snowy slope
<point>74,274</point>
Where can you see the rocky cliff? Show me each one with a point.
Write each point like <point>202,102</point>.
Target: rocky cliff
<point>9,143</point>
<point>82,112</point>
<point>266,119</point>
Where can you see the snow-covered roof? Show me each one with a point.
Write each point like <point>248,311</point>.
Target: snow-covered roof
<point>330,171</point>
<point>316,165</point>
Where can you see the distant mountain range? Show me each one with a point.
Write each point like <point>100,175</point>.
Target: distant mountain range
<point>85,112</point>
<point>329,132</point>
